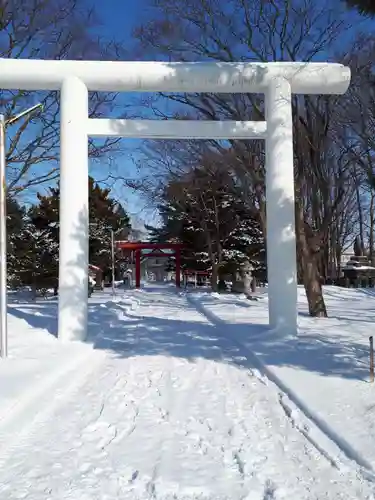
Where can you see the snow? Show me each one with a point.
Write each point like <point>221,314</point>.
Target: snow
<point>356,266</point>
<point>176,396</point>
<point>325,368</point>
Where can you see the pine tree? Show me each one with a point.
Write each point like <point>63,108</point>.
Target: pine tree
<point>42,235</point>
<point>204,210</point>
<point>39,265</point>
<point>15,224</point>
<point>105,214</point>
<point>32,253</point>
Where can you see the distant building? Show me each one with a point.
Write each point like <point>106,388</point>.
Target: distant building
<point>155,268</point>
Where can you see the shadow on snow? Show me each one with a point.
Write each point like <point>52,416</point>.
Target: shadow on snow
<point>114,327</point>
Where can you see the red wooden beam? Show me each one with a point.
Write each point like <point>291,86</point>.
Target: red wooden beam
<point>141,245</point>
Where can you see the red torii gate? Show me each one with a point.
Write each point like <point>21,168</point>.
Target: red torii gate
<point>137,246</point>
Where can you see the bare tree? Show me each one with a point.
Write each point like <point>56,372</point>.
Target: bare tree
<point>209,210</point>
<point>47,29</point>
<point>355,132</point>
<point>267,31</point>
<point>358,115</point>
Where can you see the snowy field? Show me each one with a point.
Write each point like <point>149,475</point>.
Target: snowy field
<point>188,396</point>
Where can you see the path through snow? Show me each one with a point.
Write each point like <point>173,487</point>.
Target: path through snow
<point>161,410</point>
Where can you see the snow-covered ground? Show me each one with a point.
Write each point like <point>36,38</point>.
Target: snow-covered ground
<point>325,369</point>
<point>169,399</point>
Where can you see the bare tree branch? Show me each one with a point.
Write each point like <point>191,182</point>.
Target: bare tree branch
<point>48,29</point>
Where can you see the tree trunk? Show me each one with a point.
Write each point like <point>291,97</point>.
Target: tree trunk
<point>371,230</point>
<point>309,258</point>
<point>313,287</point>
<point>338,263</point>
<point>214,277</point>
<point>360,221</point>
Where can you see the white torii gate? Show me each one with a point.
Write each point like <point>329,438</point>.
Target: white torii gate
<point>75,78</point>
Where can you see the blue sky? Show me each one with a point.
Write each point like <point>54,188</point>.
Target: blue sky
<point>119,18</point>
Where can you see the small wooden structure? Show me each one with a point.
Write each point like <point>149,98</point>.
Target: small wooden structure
<point>195,274</point>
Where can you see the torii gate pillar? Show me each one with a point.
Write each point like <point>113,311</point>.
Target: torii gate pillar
<point>137,268</point>
<point>74,211</point>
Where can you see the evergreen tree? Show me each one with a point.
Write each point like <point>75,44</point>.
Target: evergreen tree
<point>39,265</point>
<point>104,214</point>
<point>204,211</point>
<point>32,253</point>
<point>15,224</point>
<point>42,235</point>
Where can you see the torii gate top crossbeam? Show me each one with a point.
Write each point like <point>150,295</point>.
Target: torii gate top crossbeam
<point>144,76</point>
